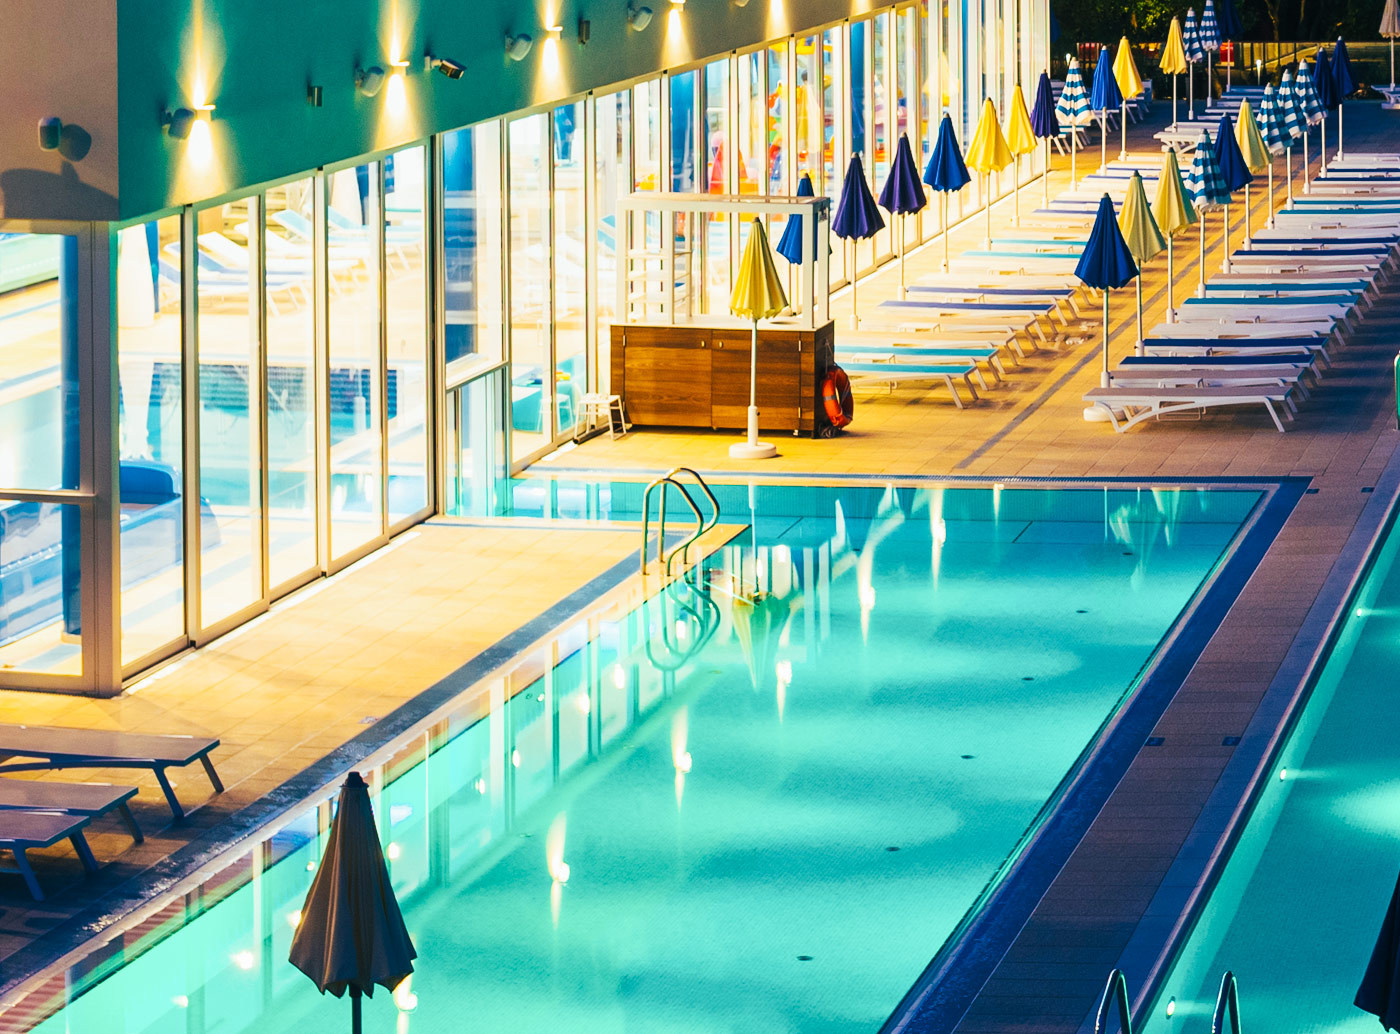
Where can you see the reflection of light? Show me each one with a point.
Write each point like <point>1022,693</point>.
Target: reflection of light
<point>404,997</point>
<point>554,849</point>
<point>294,919</point>
<point>940,531</point>
<point>619,677</point>
<point>393,852</point>
<point>515,758</point>
<point>867,596</point>
<point>582,703</point>
<point>311,866</point>
<point>680,757</point>
<point>244,960</point>
<point>481,784</point>
<point>682,630</point>
<point>784,673</point>
<point>181,1001</point>
<point>1282,774</point>
<point>1171,1006</point>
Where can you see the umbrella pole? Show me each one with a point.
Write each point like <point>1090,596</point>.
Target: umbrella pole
<point>1138,281</point>
<point>1210,91</point>
<point>903,291</point>
<point>1246,218</point>
<point>1201,263</point>
<point>1190,91</point>
<point>1171,313</point>
<point>943,216</point>
<point>855,312</point>
<point>1173,100</point>
<point>1341,127</point>
<point>1123,125</point>
<point>356,1024</point>
<point>1322,150</point>
<point>1307,187</point>
<point>1288,171</point>
<point>1073,151</point>
<point>1016,192</point>
<point>1045,179</point>
<point>1105,380</point>
<point>987,189</point>
<point>1270,205</point>
<point>1225,259</point>
<point>753,385</point>
<point>1392,62</point>
<point>1103,142</point>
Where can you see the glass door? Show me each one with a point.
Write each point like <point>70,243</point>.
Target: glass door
<point>569,275</point>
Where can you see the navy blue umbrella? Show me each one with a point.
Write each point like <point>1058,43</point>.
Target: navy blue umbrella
<point>790,244</point>
<point>1045,125</point>
<point>1104,97</point>
<point>1228,18</point>
<point>1234,173</point>
<point>1380,987</point>
<point>1344,84</point>
<point>903,193</point>
<point>857,218</point>
<point>1106,263</point>
<point>946,172</point>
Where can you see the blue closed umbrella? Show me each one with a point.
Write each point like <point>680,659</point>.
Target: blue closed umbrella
<point>902,193</point>
<point>1104,96</point>
<point>946,172</point>
<point>1343,82</point>
<point>1326,89</point>
<point>1234,174</point>
<point>1106,263</point>
<point>1379,992</point>
<point>857,218</point>
<point>1230,28</point>
<point>1045,125</point>
<point>790,244</point>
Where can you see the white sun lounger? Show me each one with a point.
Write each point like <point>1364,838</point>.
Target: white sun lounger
<point>894,374</point>
<point>926,356</point>
<point>1147,403</point>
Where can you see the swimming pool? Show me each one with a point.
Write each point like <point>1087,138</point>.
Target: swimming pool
<point>731,817</point>
<point>1299,904</point>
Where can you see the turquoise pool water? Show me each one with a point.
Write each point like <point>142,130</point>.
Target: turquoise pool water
<point>1300,903</point>
<point>704,817</point>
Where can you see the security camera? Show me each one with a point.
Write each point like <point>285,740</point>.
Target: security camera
<point>369,81</point>
<point>638,18</point>
<point>447,67</point>
<point>518,46</point>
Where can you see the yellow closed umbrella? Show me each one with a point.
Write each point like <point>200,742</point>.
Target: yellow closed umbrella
<point>1256,157</point>
<point>1173,60</point>
<point>1020,139</point>
<point>988,153</point>
<point>1142,235</point>
<point>1173,212</point>
<point>758,295</point>
<point>1129,84</point>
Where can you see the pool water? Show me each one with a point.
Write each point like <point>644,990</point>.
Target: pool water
<point>1300,903</point>
<point>707,815</point>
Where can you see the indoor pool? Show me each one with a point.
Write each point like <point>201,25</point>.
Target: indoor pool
<point>1298,907</point>
<point>710,814</point>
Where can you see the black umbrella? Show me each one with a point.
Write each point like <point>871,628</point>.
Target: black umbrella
<point>1379,992</point>
<point>351,933</point>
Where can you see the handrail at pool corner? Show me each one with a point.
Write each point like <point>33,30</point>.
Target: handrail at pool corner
<point>702,523</point>
<point>1229,997</point>
<point>1115,990</point>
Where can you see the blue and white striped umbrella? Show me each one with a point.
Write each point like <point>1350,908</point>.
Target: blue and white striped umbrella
<point>1204,181</point>
<point>1210,30</point>
<point>1270,119</point>
<point>1306,94</point>
<point>1294,119</point>
<point>1191,39</point>
<point>1073,106</point>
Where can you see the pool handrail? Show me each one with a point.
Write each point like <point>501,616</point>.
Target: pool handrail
<point>702,523</point>
<point>1229,997</point>
<point>1115,990</point>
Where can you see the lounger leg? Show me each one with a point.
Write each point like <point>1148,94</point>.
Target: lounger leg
<point>1277,422</point>
<point>129,821</point>
<point>213,776</point>
<point>971,390</point>
<point>169,792</point>
<point>981,381</point>
<point>27,871</point>
<point>80,845</point>
<point>953,390</point>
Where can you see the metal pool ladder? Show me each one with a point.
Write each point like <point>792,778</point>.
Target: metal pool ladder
<point>702,523</point>
<point>1227,1003</point>
<point>1227,999</point>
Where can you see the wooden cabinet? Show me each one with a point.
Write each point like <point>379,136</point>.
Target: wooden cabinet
<point>698,376</point>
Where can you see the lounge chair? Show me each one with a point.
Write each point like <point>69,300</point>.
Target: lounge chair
<point>1147,403</point>
<point>927,356</point>
<point>91,799</point>
<point>895,373</point>
<point>55,747</point>
<point>21,830</point>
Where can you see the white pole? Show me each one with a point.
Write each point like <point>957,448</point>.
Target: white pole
<point>1321,150</point>
<point>1073,152</point>
<point>753,386</point>
<point>1288,171</point>
<point>1201,264</point>
<point>1138,281</point>
<point>1045,180</point>
<point>1225,262</point>
<point>943,216</point>
<point>1174,112</point>
<point>1103,141</point>
<point>1246,218</point>
<point>1016,192</point>
<point>1123,124</point>
<point>987,187</point>
<point>903,291</point>
<point>1191,91</point>
<point>1392,62</point>
<point>1307,184</point>
<point>1270,205</point>
<point>1171,313</point>
<point>855,312</point>
<point>1105,381</point>
<point>1341,126</point>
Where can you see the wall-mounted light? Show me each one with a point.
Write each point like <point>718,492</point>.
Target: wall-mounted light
<point>313,95</point>
<point>179,121</point>
<point>677,3</point>
<point>50,134</point>
<point>585,29</point>
<point>638,18</point>
<point>448,67</point>
<point>740,3</point>
<point>554,32</point>
<point>369,81</point>
<point>518,46</point>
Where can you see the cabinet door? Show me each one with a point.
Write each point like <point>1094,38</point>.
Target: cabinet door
<point>779,391</point>
<point>667,377</point>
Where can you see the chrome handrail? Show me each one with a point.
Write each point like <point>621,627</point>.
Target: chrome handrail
<point>714,503</point>
<point>1228,998</point>
<point>1115,990</point>
<point>703,524</point>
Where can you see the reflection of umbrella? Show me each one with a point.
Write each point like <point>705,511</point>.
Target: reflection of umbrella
<point>1390,28</point>
<point>1345,85</point>
<point>903,194</point>
<point>759,621</point>
<point>351,933</point>
<point>1325,87</point>
<point>1105,263</point>
<point>1125,74</point>
<point>946,172</point>
<point>1195,54</point>
<point>1073,110</point>
<point>988,153</point>
<point>1142,235</point>
<point>1045,125</point>
<point>1207,188</point>
<point>1255,154</point>
<point>1173,211</point>
<point>1173,60</point>
<point>1103,98</point>
<point>1210,43</point>
<point>857,218</point>
<point>1233,172</point>
<point>1020,138</point>
<point>758,294</point>
<point>790,244</point>
<point>1379,992</point>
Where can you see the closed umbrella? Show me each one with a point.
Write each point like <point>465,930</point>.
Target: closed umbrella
<point>351,934</point>
<point>1207,188</point>
<point>1345,85</point>
<point>1174,212</point>
<point>1020,139</point>
<point>945,173</point>
<point>1045,125</point>
<point>857,218</point>
<point>988,153</point>
<point>1255,155</point>
<point>1210,43</point>
<point>1074,111</point>
<point>1379,992</point>
<point>1105,264</point>
<point>1325,88</point>
<point>903,194</point>
<point>1293,124</point>
<point>1143,236</point>
<point>758,294</point>
<point>1230,29</point>
<point>1390,28</point>
<point>1103,98</point>
<point>1233,172</point>
<point>1195,54</point>
<point>1270,119</point>
<point>790,243</point>
<point>1310,111</point>
<point>1125,74</point>
<point>1173,60</point>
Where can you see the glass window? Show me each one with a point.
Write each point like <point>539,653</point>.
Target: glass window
<point>612,180</point>
<point>473,204</point>
<point>685,131</point>
<point>752,127</point>
<point>809,132</point>
<point>716,127</point>
<point>151,438</point>
<point>291,382</point>
<point>356,409</point>
<point>646,110</point>
<point>479,445</point>
<point>406,330</point>
<point>570,277</point>
<point>532,396</point>
<point>836,121</point>
<point>41,587</point>
<point>881,100</point>
<point>777,120</point>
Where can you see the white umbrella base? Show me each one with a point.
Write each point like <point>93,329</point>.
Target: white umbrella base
<point>753,451</point>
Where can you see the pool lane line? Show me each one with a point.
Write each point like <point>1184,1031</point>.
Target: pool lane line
<point>952,980</point>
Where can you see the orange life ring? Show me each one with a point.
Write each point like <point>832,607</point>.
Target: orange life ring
<point>836,397</point>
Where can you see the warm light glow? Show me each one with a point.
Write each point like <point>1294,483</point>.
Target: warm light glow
<point>619,677</point>
<point>396,95</point>
<point>583,704</point>
<point>199,148</point>
<point>392,852</point>
<point>244,960</point>
<point>1171,1007</point>
<point>554,849</point>
<point>673,22</point>
<point>404,998</point>
<point>553,33</point>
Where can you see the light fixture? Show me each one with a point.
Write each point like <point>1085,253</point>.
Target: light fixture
<point>740,3</point>
<point>179,121</point>
<point>638,18</point>
<point>554,32</point>
<point>313,95</point>
<point>50,134</point>
<point>518,46</point>
<point>369,81</point>
<point>677,3</point>
<point>585,29</point>
<point>448,67</point>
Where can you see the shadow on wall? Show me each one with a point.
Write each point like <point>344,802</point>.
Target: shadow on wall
<point>35,194</point>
